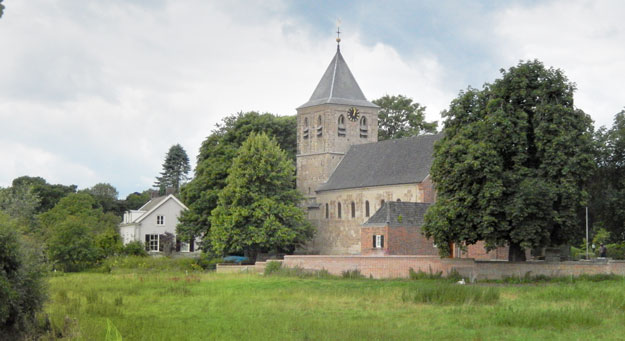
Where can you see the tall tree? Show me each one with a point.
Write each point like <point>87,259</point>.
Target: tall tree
<point>105,196</point>
<point>512,164</point>
<point>48,194</point>
<point>257,210</point>
<point>400,117</point>
<point>214,161</point>
<point>1,8</point>
<point>607,187</point>
<point>175,169</point>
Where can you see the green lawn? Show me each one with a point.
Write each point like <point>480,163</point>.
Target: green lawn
<point>173,306</point>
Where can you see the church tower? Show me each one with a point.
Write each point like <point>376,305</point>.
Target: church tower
<point>336,117</point>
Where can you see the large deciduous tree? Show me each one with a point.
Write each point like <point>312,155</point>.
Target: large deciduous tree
<point>400,117</point>
<point>512,165</point>
<point>257,210</point>
<point>607,187</point>
<point>175,169</point>
<point>214,161</point>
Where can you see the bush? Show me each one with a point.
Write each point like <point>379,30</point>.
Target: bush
<point>352,274</point>
<point>422,275</point>
<point>272,267</point>
<point>135,248</point>
<point>207,262</point>
<point>616,251</point>
<point>22,289</point>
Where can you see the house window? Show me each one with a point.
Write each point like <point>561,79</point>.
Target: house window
<point>353,210</point>
<point>151,242</point>
<point>305,128</point>
<point>378,241</point>
<point>367,208</point>
<point>160,220</point>
<point>338,210</point>
<point>341,130</point>
<point>327,211</point>
<point>319,127</point>
<point>364,130</point>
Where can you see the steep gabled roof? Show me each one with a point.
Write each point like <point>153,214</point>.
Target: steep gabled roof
<point>158,202</point>
<point>411,214</point>
<point>338,86</point>
<point>390,162</point>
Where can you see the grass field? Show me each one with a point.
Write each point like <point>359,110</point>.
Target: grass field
<point>204,306</point>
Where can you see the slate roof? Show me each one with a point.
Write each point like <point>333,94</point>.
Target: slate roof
<point>338,86</point>
<point>152,203</point>
<point>411,213</point>
<point>390,162</point>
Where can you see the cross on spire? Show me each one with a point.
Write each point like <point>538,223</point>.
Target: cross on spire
<point>338,33</point>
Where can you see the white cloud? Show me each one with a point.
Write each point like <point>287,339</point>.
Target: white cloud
<point>583,38</point>
<point>103,89</point>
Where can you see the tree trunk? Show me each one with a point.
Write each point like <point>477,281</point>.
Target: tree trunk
<point>516,253</point>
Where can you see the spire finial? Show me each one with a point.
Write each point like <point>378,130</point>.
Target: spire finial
<point>338,33</point>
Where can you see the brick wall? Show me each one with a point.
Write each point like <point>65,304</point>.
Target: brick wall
<point>478,251</point>
<point>399,266</point>
<point>397,241</point>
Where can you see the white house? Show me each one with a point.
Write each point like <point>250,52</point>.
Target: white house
<point>149,224</point>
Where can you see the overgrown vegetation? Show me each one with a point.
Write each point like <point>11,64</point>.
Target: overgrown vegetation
<point>173,305</point>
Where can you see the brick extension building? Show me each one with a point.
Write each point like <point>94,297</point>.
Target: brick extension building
<point>347,176</point>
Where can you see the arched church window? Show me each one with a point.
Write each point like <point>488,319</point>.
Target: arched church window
<point>367,208</point>
<point>353,209</point>
<point>381,202</point>
<point>327,211</point>
<point>338,210</point>
<point>341,127</point>
<point>305,127</point>
<point>364,130</point>
<point>319,127</point>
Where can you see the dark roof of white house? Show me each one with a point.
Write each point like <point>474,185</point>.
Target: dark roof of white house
<point>395,214</point>
<point>338,86</point>
<point>390,162</point>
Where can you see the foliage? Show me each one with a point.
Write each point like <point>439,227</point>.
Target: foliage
<point>616,251</point>
<point>601,237</point>
<point>257,210</point>
<point>512,164</point>
<point>424,275</point>
<point>351,274</point>
<point>135,200</point>
<point>105,196</point>
<point>71,229</point>
<point>125,264</point>
<point>200,195</point>
<point>48,194</point>
<point>22,288</point>
<point>109,242</point>
<point>400,117</point>
<point>1,8</point>
<point>272,267</point>
<point>607,187</point>
<point>175,169</point>
<point>134,248</point>
<point>20,203</point>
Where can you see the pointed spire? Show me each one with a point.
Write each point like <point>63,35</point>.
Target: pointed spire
<point>338,85</point>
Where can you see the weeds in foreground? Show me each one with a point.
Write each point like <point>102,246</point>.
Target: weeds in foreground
<point>451,294</point>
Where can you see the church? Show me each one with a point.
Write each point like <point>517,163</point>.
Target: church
<point>363,196</point>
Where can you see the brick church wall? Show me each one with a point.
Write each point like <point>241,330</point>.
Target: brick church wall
<point>399,240</point>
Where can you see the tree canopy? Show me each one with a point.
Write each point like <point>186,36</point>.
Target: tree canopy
<point>215,158</point>
<point>512,165</point>
<point>175,170</point>
<point>400,117</point>
<point>257,210</point>
<point>607,187</point>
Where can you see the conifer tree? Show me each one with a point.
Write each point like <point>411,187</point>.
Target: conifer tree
<point>175,169</point>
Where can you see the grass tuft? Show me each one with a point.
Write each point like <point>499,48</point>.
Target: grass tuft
<point>452,294</point>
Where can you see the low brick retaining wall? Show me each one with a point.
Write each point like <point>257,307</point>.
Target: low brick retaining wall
<point>399,266</point>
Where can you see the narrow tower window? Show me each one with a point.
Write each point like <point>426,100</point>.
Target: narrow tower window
<point>319,127</point>
<point>341,128</point>
<point>353,210</point>
<point>327,211</point>
<point>364,130</point>
<point>305,128</point>
<point>338,210</point>
<point>367,208</point>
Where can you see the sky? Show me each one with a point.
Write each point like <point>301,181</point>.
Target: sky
<point>98,91</point>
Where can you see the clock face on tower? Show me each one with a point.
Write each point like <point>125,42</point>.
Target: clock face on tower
<point>353,113</point>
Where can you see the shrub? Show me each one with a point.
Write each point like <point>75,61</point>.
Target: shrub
<point>22,289</point>
<point>272,267</point>
<point>616,251</point>
<point>207,262</point>
<point>135,248</point>
<point>352,274</point>
<point>422,275</point>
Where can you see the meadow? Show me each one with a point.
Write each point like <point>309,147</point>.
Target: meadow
<point>188,305</point>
